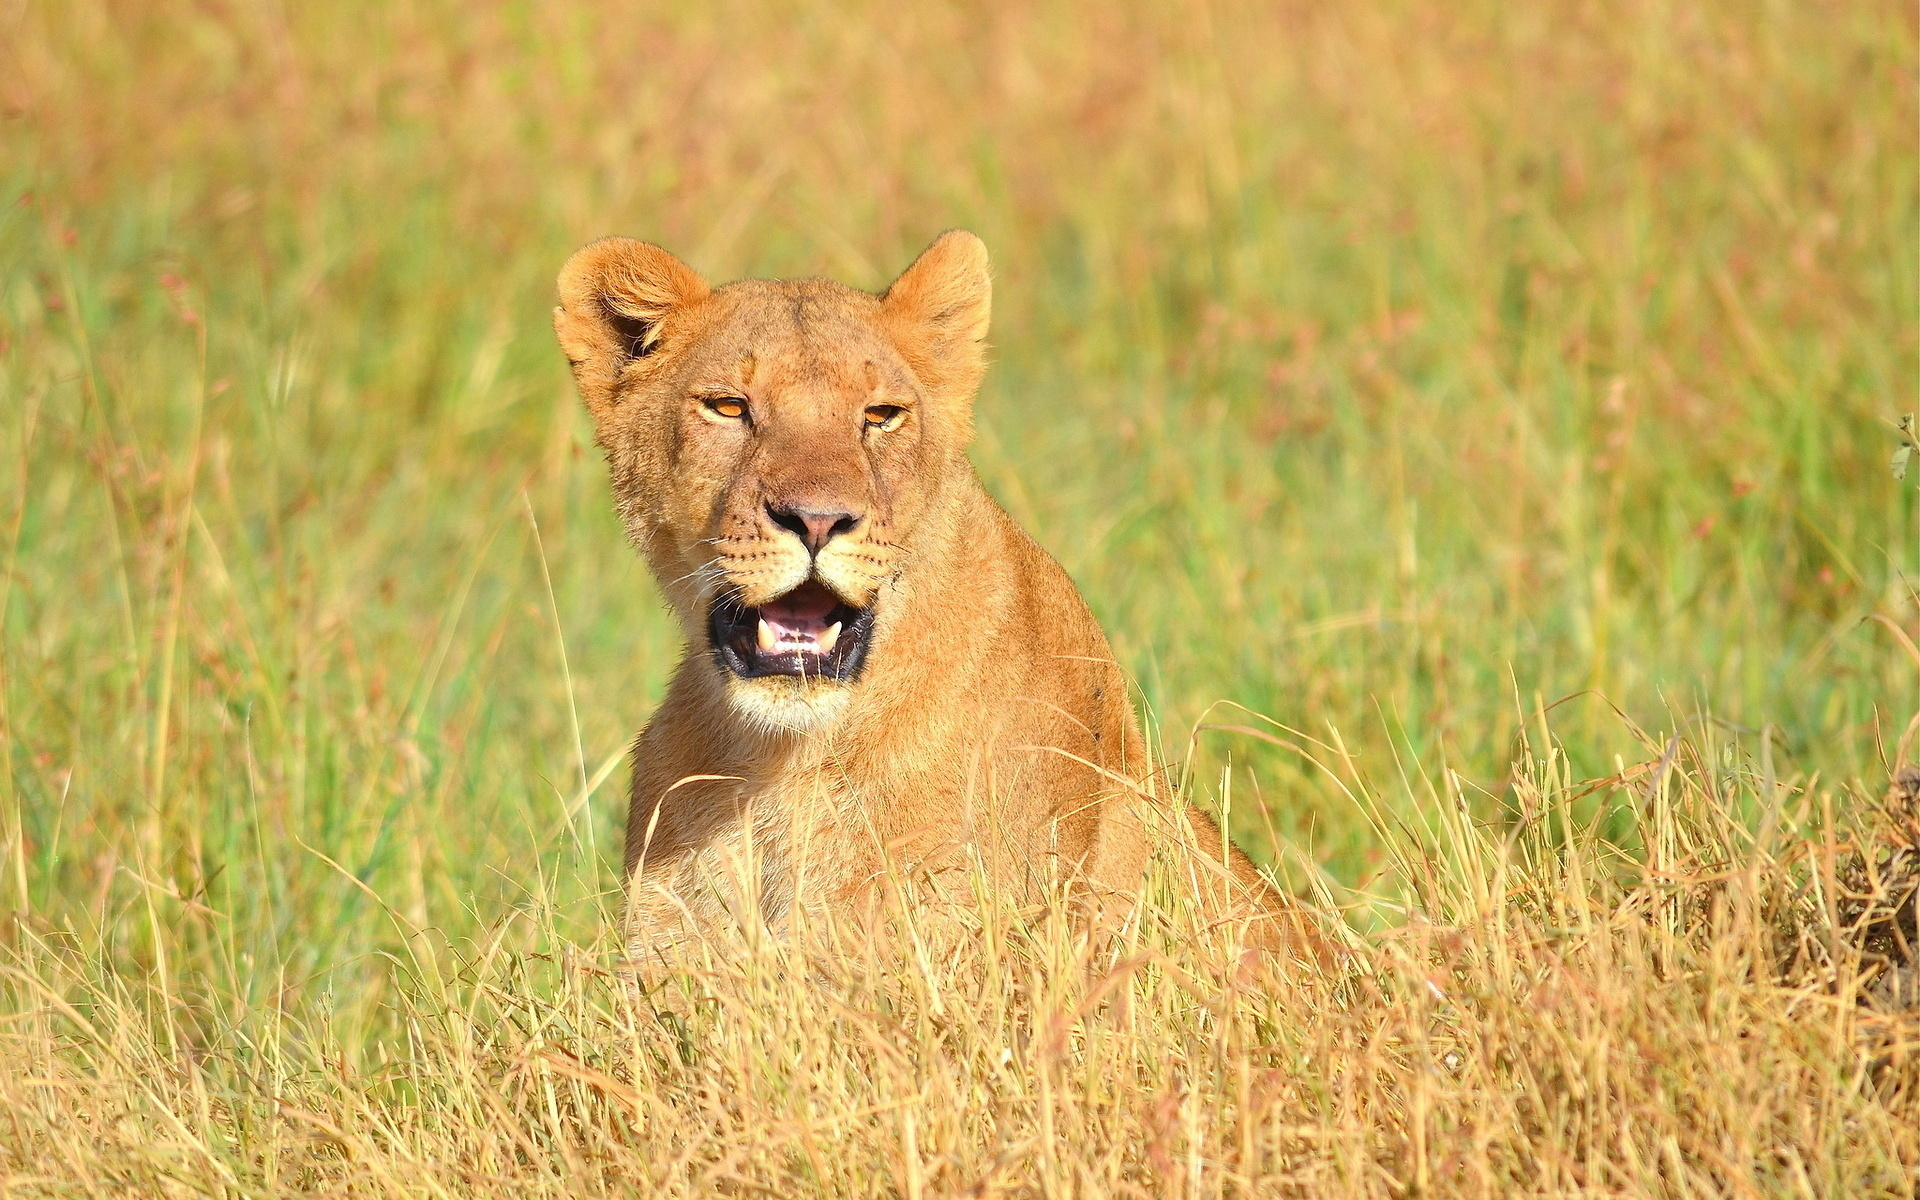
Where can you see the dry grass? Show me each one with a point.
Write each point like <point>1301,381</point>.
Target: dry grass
<point>1551,1019</point>
<point>1394,370</point>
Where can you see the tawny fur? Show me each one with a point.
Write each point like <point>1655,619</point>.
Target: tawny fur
<point>990,723</point>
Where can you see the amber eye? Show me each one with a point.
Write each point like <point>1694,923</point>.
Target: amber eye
<point>731,407</point>
<point>885,416</point>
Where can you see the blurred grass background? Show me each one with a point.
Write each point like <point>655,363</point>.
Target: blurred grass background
<point>1400,369</point>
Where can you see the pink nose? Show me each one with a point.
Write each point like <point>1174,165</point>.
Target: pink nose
<point>815,527</point>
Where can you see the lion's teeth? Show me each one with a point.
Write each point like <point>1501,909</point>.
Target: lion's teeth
<point>767,641</point>
<point>830,638</point>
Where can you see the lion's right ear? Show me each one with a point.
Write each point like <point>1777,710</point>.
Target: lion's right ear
<point>615,296</point>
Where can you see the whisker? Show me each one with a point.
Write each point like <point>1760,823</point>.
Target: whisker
<point>710,566</point>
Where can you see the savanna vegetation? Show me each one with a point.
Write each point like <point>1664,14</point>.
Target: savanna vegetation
<point>1471,422</point>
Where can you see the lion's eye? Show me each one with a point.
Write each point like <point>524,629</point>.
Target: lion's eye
<point>885,416</point>
<point>731,407</point>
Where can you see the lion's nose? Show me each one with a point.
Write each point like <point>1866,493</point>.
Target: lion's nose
<point>815,527</point>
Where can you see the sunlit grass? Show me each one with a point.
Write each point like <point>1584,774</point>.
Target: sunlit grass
<point>1494,393</point>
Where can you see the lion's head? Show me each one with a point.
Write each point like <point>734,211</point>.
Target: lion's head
<point>776,446</point>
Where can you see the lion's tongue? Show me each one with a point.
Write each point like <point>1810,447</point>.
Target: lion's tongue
<point>798,621</point>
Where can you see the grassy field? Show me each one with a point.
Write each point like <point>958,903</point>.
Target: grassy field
<point>1470,422</point>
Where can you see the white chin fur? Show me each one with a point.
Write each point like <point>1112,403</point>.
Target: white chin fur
<point>782,704</point>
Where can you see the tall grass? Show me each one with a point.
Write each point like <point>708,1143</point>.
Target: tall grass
<point>1494,395</point>
<point>1551,1019</point>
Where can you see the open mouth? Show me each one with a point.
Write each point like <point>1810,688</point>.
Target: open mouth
<point>809,632</point>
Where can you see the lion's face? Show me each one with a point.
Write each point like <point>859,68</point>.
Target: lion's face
<point>775,447</point>
<point>799,448</point>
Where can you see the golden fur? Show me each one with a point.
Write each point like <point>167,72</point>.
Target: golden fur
<point>989,721</point>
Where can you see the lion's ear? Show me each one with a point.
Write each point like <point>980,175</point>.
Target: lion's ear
<point>937,311</point>
<point>614,296</point>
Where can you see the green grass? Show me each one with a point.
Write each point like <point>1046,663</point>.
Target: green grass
<point>1465,379</point>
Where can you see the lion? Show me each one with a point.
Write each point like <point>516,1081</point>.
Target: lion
<point>882,671</point>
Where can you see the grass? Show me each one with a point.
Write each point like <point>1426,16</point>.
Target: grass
<point>1494,397</point>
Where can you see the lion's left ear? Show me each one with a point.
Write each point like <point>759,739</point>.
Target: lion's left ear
<point>937,312</point>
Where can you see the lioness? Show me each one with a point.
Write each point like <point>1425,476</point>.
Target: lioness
<point>881,669</point>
